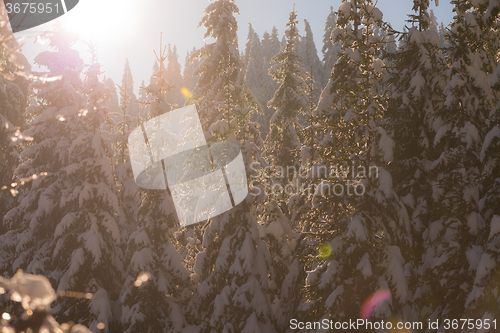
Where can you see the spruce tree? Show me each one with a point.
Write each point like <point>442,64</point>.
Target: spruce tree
<point>189,78</point>
<point>330,50</point>
<point>356,232</point>
<point>174,77</point>
<point>310,59</point>
<point>64,225</point>
<point>127,80</point>
<point>289,101</point>
<point>459,261</point>
<point>417,81</point>
<point>220,87</point>
<point>13,101</point>
<point>154,296</point>
<point>270,47</point>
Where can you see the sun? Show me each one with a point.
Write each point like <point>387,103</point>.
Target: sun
<point>102,20</point>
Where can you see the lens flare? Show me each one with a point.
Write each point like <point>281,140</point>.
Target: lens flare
<point>373,301</point>
<point>186,92</point>
<point>325,251</point>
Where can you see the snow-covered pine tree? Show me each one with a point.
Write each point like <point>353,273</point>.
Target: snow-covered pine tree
<point>143,102</point>
<point>254,72</point>
<point>129,197</point>
<point>270,47</point>
<point>433,24</point>
<point>486,304</point>
<point>417,81</point>
<point>256,76</point>
<point>113,104</point>
<point>289,100</point>
<point>330,50</point>
<point>127,80</point>
<point>233,270</point>
<point>442,35</point>
<point>188,77</point>
<point>158,86</point>
<point>459,261</point>
<point>248,47</point>
<point>64,225</point>
<point>155,293</point>
<point>220,87</point>
<point>354,213</point>
<point>13,101</point>
<point>174,77</point>
<point>310,59</point>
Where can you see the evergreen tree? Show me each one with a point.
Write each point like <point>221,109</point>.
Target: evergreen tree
<point>220,87</point>
<point>13,102</point>
<point>417,82</point>
<point>458,262</point>
<point>358,236</point>
<point>64,225</point>
<point>127,80</point>
<point>255,78</point>
<point>330,50</point>
<point>310,59</point>
<point>174,77</point>
<point>255,72</point>
<point>433,25</point>
<point>114,104</point>
<point>248,46</point>
<point>143,102</point>
<point>188,76</point>
<point>442,35</point>
<point>154,295</point>
<point>233,269</point>
<point>270,47</point>
<point>288,101</point>
<point>128,192</point>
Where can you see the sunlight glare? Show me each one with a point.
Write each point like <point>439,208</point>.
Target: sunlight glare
<point>101,21</point>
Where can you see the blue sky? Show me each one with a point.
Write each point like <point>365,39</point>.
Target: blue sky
<point>125,28</point>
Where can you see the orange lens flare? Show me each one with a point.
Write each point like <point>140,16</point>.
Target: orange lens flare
<point>185,92</point>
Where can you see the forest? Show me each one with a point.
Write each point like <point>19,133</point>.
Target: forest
<point>373,171</point>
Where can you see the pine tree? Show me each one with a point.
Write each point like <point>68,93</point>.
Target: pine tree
<point>143,102</point>
<point>114,105</point>
<point>433,25</point>
<point>288,101</point>
<point>174,77</point>
<point>233,269</point>
<point>220,87</point>
<point>458,260</point>
<point>188,76</point>
<point>442,35</point>
<point>310,59</point>
<point>255,72</point>
<point>64,225</point>
<point>256,76</point>
<point>357,233</point>
<point>127,79</point>
<point>330,50</point>
<point>13,101</point>
<point>158,86</point>
<point>128,192</point>
<point>248,47</point>
<point>417,82</point>
<point>154,295</point>
<point>270,45</point>
<point>270,48</point>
